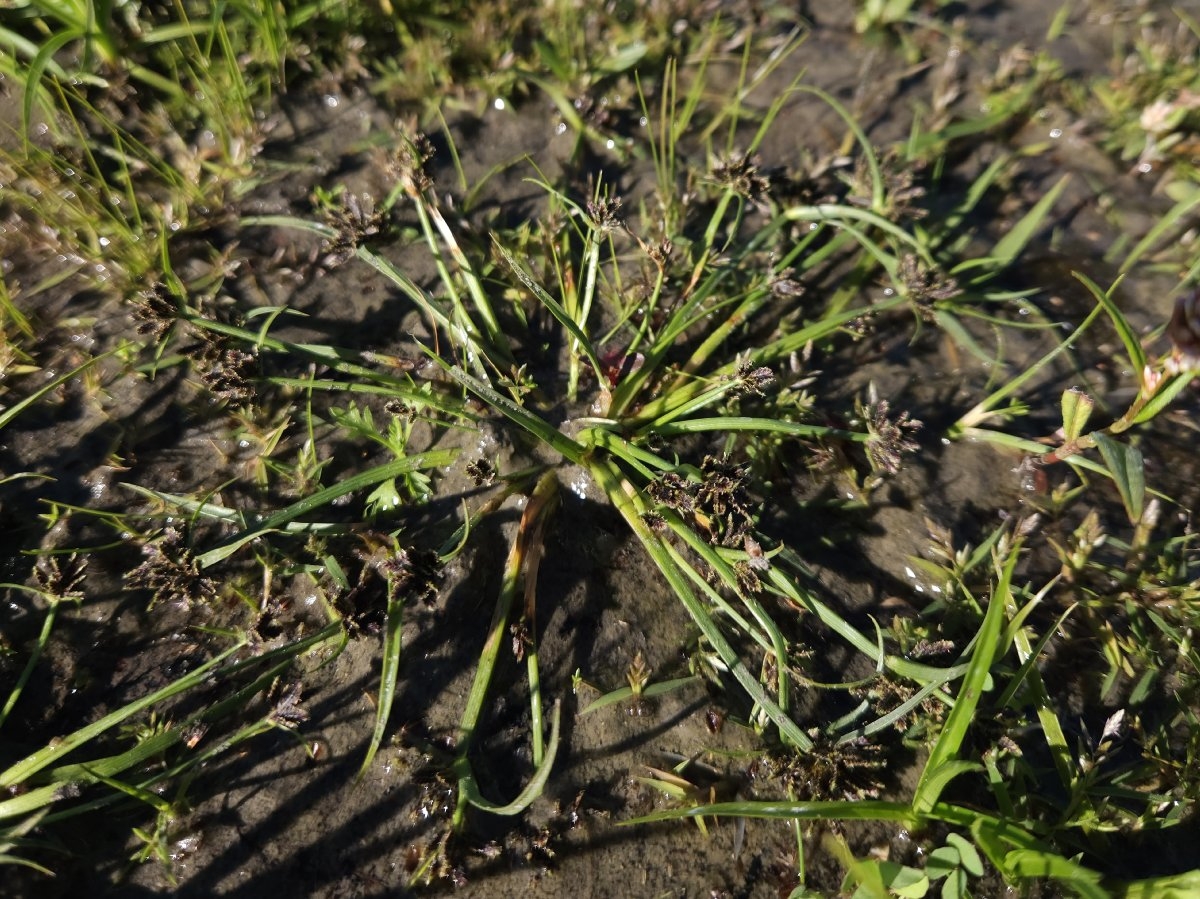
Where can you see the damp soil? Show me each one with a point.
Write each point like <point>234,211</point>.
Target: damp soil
<point>288,812</point>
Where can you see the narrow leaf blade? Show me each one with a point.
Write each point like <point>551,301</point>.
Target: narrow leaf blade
<point>1128,472</point>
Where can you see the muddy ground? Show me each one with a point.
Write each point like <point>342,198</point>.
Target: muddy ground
<point>268,817</point>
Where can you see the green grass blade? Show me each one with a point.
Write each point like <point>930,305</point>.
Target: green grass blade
<point>1033,863</point>
<point>942,759</point>
<point>878,185</point>
<point>650,691</point>
<point>1009,247</point>
<point>32,764</point>
<point>869,810</point>
<point>369,478</point>
<point>761,425</point>
<point>26,672</point>
<point>915,701</point>
<point>614,486</point>
<point>838,216</point>
<point>1165,395</point>
<point>33,77</point>
<point>1129,338</point>
<point>556,309</point>
<point>388,677</point>
<point>17,408</point>
<point>1176,886</point>
<point>535,425</point>
<point>1177,216</point>
<point>983,409</point>
<point>532,790</point>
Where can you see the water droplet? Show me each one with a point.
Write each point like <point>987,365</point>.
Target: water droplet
<point>579,485</point>
<point>499,104</point>
<point>331,100</point>
<point>318,750</point>
<point>1055,133</point>
<point>186,845</point>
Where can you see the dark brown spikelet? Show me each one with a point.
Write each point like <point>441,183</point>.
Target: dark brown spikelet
<point>170,572</point>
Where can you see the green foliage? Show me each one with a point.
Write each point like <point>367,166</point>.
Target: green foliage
<point>661,346</point>
<point>414,486</point>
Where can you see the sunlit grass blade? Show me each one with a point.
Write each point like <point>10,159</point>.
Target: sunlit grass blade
<point>583,342</point>
<point>757,425</point>
<point>841,216</point>
<point>1009,247</point>
<point>369,478</point>
<point>1129,338</point>
<point>870,810</point>
<point>984,409</point>
<point>22,770</point>
<point>49,387</point>
<point>532,423</point>
<point>942,763</point>
<point>389,675</point>
<point>532,790</point>
<point>1166,887</point>
<point>650,691</point>
<point>621,495</point>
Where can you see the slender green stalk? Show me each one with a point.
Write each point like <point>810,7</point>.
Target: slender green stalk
<point>943,764</point>
<point>38,648</point>
<point>545,499</point>
<point>624,498</point>
<point>757,425</point>
<point>17,408</point>
<point>21,771</point>
<point>537,506</point>
<point>389,673</point>
<point>591,266</point>
<point>377,475</point>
